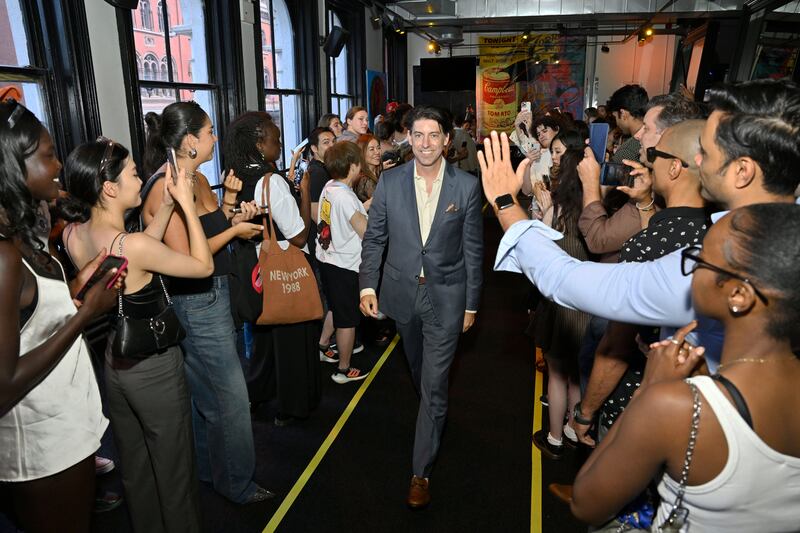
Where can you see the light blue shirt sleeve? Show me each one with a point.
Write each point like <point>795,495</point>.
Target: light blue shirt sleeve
<point>654,293</point>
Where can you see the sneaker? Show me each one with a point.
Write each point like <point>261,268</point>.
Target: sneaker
<point>102,465</point>
<point>345,375</point>
<point>543,400</point>
<point>261,494</point>
<point>358,348</point>
<point>551,451</point>
<point>328,354</point>
<point>107,502</point>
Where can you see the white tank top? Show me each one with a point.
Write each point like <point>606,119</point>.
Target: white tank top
<point>60,421</point>
<point>758,489</point>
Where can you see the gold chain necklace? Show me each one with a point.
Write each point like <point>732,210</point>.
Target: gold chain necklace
<point>753,360</point>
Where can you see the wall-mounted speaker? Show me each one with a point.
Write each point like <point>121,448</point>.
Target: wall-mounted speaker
<point>335,41</point>
<point>124,4</point>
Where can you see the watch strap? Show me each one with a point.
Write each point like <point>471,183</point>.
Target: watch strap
<point>576,414</point>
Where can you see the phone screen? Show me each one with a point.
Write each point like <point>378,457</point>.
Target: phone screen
<point>110,261</point>
<point>616,174</point>
<point>173,162</point>
<point>525,106</point>
<point>598,139</point>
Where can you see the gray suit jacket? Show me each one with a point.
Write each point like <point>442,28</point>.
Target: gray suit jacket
<point>452,256</point>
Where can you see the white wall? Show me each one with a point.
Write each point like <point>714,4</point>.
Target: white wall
<point>649,65</point>
<point>107,62</point>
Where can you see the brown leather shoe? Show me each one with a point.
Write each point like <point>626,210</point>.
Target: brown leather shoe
<point>419,495</point>
<point>562,492</point>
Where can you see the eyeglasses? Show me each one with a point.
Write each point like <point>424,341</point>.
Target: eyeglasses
<point>106,154</point>
<point>652,153</point>
<point>691,261</point>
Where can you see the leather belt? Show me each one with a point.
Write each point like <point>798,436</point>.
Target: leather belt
<point>421,280</point>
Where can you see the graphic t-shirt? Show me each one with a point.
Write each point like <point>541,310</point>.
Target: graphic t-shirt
<point>338,243</point>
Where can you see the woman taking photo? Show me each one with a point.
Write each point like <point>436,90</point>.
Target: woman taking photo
<point>285,357</point>
<point>356,123</point>
<point>51,418</point>
<point>147,395</point>
<point>558,330</point>
<point>729,443</point>
<point>220,412</point>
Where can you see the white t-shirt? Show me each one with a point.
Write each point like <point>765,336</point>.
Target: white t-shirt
<point>285,213</point>
<point>338,243</point>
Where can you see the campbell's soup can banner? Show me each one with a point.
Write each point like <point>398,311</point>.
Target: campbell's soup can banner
<point>545,69</point>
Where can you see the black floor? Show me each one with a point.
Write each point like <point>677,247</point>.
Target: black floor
<point>482,481</point>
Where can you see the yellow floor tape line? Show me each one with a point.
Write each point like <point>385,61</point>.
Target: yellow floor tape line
<point>536,460</point>
<point>323,449</point>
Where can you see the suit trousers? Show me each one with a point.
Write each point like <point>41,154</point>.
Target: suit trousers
<point>151,418</point>
<point>429,349</point>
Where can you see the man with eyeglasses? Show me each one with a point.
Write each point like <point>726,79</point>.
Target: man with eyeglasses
<point>619,361</point>
<point>749,153</point>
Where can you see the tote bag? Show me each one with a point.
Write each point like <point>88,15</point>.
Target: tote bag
<point>289,288</point>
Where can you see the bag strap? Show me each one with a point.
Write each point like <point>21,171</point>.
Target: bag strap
<point>687,460</point>
<point>119,291</point>
<point>736,396</point>
<point>265,200</point>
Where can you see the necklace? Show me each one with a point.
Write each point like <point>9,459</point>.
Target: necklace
<point>753,360</point>
<point>192,175</point>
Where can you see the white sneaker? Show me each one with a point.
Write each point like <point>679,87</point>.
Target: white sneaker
<point>345,375</point>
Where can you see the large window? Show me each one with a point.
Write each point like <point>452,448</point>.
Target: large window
<point>281,93</point>
<point>339,75</point>
<point>18,79</point>
<point>174,65</point>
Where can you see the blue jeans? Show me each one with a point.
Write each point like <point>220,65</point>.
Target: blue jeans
<point>223,433</point>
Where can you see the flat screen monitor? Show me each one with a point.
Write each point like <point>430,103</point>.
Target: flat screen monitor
<point>448,74</point>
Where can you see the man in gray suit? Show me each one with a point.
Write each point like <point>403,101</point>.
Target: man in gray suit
<point>428,214</point>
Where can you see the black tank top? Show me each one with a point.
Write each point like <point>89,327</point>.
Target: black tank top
<point>213,224</point>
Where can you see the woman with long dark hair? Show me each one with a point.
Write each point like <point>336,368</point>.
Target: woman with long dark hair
<point>220,411</point>
<point>558,330</point>
<point>285,357</point>
<point>51,418</point>
<point>148,399</point>
<point>727,444</point>
<point>371,167</point>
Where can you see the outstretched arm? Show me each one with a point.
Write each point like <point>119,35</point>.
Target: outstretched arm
<point>652,293</point>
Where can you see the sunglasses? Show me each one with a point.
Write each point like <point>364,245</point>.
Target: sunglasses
<point>106,154</point>
<point>652,153</point>
<point>691,261</point>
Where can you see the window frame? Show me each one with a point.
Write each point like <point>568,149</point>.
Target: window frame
<point>61,62</point>
<point>225,70</point>
<point>351,15</point>
<point>306,43</point>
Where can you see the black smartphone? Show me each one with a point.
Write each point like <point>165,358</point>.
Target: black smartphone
<point>616,174</point>
<point>172,159</point>
<point>300,169</point>
<point>110,261</point>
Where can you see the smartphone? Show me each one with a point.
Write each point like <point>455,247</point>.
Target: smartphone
<point>525,106</point>
<point>598,138</point>
<point>616,174</point>
<point>299,170</point>
<point>110,261</point>
<point>173,162</point>
<point>300,146</point>
<point>238,210</point>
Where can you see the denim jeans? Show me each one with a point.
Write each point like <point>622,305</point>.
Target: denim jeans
<point>591,340</point>
<point>223,433</point>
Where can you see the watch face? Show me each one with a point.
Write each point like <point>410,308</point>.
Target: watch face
<point>503,201</point>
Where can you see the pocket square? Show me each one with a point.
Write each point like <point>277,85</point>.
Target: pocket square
<point>452,208</point>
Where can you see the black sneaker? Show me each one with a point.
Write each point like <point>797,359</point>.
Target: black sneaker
<point>551,451</point>
<point>327,354</point>
<point>543,400</point>
<point>358,347</point>
<point>106,502</point>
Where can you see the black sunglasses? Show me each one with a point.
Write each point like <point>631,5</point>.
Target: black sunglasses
<point>691,261</point>
<point>106,154</point>
<point>652,153</point>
